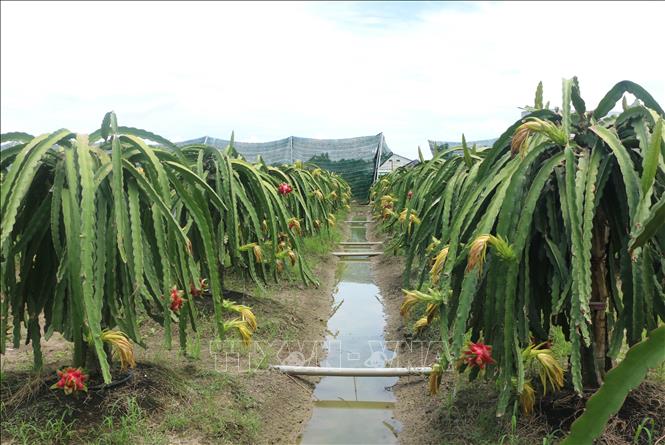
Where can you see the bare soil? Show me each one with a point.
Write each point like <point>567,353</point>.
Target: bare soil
<point>167,381</point>
<point>462,412</point>
<point>227,397</point>
<point>284,403</point>
<point>415,409</point>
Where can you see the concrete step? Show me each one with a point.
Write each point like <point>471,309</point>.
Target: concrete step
<point>351,253</point>
<point>360,243</point>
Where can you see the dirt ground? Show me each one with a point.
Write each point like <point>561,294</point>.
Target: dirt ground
<point>270,407</point>
<point>286,402</point>
<point>462,412</point>
<point>228,395</point>
<point>415,409</point>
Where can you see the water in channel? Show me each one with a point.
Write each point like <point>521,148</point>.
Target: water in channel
<point>354,410</point>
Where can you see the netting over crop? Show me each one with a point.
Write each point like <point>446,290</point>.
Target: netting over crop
<point>436,146</point>
<point>355,159</point>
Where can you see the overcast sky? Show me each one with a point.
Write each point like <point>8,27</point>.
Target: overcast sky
<point>414,71</point>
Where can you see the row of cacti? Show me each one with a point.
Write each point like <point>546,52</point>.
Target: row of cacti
<point>94,226</point>
<point>560,223</point>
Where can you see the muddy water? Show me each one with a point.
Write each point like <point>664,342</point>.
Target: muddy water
<point>354,410</point>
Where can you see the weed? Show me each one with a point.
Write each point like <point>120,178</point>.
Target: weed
<point>194,346</point>
<point>551,437</point>
<point>127,423</point>
<point>52,431</point>
<point>647,430</point>
<point>511,437</point>
<point>322,243</point>
<point>232,421</point>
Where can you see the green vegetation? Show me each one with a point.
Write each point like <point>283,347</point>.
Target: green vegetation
<point>216,408</point>
<point>55,430</point>
<point>95,226</point>
<point>323,242</point>
<point>211,406</point>
<point>557,225</point>
<point>618,383</point>
<point>539,262</point>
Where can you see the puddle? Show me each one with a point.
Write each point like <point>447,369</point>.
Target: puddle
<point>354,410</point>
<point>358,234</point>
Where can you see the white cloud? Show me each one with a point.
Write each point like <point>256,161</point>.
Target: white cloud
<point>271,70</point>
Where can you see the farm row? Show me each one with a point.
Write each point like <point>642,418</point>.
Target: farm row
<point>560,225</point>
<point>100,227</point>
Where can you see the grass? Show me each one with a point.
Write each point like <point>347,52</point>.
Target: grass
<point>461,400</point>
<point>473,400</point>
<point>637,423</point>
<point>314,247</point>
<point>323,242</point>
<point>213,407</point>
<point>232,420</point>
<point>128,424</point>
<point>217,408</point>
<point>464,400</point>
<point>55,430</point>
<point>124,424</point>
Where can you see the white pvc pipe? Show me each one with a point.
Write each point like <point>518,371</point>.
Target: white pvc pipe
<point>351,372</point>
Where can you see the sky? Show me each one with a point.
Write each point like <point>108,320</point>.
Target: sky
<point>412,70</point>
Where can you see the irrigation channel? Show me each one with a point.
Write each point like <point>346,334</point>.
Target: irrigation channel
<point>354,409</point>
